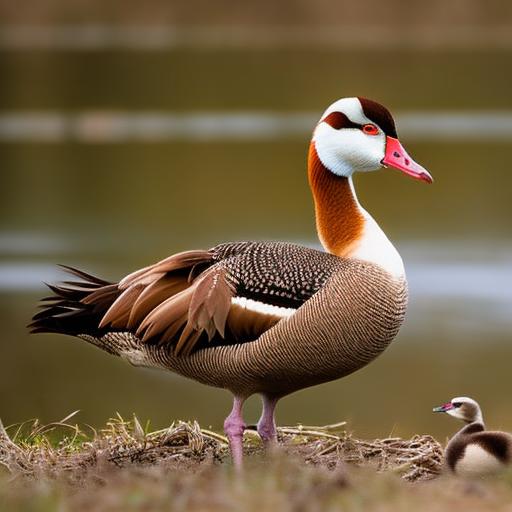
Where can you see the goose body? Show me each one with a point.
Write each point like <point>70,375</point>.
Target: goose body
<point>475,451</point>
<point>263,317</point>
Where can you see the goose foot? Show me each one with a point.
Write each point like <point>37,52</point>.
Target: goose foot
<point>234,427</point>
<point>266,424</point>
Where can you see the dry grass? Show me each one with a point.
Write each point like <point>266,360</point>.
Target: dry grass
<point>32,451</point>
<point>127,467</point>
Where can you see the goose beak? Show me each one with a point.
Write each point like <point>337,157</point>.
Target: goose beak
<point>397,157</point>
<point>443,408</point>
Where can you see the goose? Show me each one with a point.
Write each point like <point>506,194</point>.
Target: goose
<point>266,318</point>
<point>474,451</point>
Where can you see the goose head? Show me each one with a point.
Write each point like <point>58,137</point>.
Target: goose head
<point>359,135</point>
<point>463,408</point>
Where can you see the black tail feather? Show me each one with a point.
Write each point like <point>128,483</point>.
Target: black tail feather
<point>88,278</point>
<point>69,312</point>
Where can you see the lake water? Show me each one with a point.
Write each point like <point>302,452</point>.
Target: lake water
<point>104,167</point>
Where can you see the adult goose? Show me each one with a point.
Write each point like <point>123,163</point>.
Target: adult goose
<point>474,451</point>
<point>264,317</point>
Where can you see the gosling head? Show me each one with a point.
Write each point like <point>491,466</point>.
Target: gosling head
<point>359,135</point>
<point>463,408</point>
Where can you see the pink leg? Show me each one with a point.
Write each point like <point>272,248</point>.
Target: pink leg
<point>266,424</point>
<point>234,427</point>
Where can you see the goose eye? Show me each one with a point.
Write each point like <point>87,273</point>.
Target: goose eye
<point>370,129</point>
<point>457,404</point>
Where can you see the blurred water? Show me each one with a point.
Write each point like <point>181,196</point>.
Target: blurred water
<point>156,152</point>
<point>111,127</point>
<point>96,36</point>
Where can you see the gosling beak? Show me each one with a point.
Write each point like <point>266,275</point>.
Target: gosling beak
<point>397,157</point>
<point>443,408</point>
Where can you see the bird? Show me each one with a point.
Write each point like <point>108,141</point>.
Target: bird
<point>256,317</point>
<point>474,451</point>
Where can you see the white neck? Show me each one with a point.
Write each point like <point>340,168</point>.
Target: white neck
<point>477,419</point>
<point>374,246</point>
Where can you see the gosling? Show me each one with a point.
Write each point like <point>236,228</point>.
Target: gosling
<point>473,451</point>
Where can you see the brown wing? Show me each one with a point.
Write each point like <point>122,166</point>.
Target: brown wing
<point>187,300</point>
<point>174,302</point>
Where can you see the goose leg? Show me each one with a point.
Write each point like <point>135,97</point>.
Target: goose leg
<point>234,427</point>
<point>266,424</point>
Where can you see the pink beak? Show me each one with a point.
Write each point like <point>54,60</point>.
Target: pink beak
<point>397,157</point>
<point>443,408</point>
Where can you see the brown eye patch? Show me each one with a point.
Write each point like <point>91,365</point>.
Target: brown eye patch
<point>379,115</point>
<point>338,120</point>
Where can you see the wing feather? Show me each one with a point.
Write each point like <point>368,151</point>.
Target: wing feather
<point>211,302</point>
<point>154,294</point>
<point>119,312</point>
<point>187,300</point>
<point>167,312</point>
<point>183,260</point>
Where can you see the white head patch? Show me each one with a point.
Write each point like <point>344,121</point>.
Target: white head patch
<point>466,409</point>
<point>348,149</point>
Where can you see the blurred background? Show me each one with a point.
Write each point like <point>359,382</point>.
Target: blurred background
<point>132,130</point>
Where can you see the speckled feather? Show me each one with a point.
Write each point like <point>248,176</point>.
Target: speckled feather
<point>276,273</point>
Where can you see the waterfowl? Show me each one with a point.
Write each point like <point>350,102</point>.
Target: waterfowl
<point>474,451</point>
<point>263,317</point>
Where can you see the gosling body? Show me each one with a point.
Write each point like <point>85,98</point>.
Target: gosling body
<point>474,451</point>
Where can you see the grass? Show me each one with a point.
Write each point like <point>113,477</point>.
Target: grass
<point>126,466</point>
